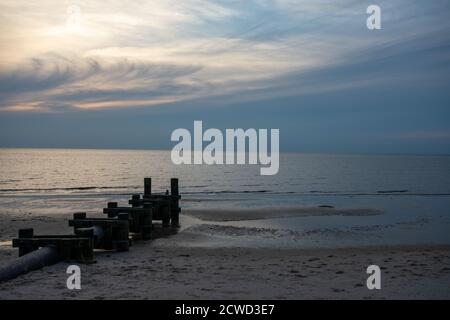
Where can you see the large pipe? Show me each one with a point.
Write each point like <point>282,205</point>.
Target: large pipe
<point>34,260</point>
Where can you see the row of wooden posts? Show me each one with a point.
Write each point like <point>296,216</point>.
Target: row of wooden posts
<point>113,232</point>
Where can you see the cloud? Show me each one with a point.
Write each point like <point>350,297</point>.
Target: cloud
<point>58,82</point>
<point>150,53</point>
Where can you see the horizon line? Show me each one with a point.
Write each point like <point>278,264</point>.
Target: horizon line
<point>281,152</point>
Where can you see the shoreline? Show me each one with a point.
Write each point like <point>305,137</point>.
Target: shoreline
<point>171,268</point>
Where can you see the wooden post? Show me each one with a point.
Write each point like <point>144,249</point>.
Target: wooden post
<point>135,198</point>
<point>146,221</point>
<point>79,215</point>
<point>166,214</point>
<point>123,241</point>
<point>174,187</point>
<point>86,255</point>
<point>25,233</point>
<point>110,206</point>
<point>147,187</point>
<point>85,232</point>
<point>175,207</point>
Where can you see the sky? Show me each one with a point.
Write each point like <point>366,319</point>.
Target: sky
<point>125,74</point>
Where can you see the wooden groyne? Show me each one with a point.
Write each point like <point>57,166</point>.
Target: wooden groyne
<point>116,231</point>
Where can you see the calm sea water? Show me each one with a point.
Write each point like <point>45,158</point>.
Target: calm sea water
<point>411,190</point>
<point>66,171</point>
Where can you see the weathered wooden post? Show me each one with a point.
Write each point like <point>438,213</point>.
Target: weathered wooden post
<point>174,187</point>
<point>147,187</point>
<point>123,242</point>
<point>175,207</point>
<point>26,233</point>
<point>165,208</point>
<point>140,218</point>
<point>135,199</point>
<point>106,233</point>
<point>112,205</point>
<point>79,215</point>
<point>147,223</point>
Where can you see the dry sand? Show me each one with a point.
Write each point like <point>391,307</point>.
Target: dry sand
<point>155,270</point>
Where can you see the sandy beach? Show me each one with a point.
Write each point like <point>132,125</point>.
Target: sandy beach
<point>266,150</point>
<point>180,267</point>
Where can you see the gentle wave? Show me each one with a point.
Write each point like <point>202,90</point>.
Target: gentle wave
<point>70,188</point>
<point>392,191</point>
<point>127,190</point>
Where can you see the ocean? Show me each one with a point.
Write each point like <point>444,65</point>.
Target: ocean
<point>412,193</point>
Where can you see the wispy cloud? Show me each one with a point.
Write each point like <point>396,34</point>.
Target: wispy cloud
<point>155,52</point>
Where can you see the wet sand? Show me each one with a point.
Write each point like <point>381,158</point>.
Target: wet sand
<point>175,269</point>
<point>268,213</point>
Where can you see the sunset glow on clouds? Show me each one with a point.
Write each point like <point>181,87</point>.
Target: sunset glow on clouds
<point>146,53</point>
<point>124,74</point>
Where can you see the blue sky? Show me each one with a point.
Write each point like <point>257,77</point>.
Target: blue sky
<point>124,75</point>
